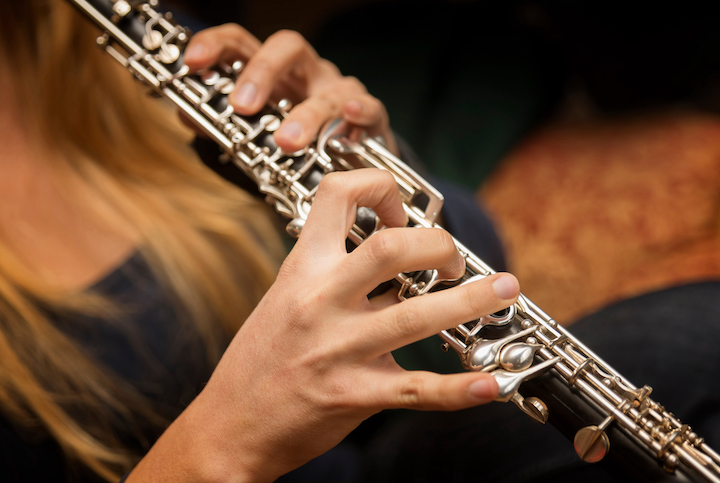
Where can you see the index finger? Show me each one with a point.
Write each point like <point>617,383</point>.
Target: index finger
<point>224,43</point>
<point>283,53</point>
<point>420,317</point>
<point>335,206</point>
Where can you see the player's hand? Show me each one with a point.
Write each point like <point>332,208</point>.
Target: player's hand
<point>286,66</point>
<point>314,359</point>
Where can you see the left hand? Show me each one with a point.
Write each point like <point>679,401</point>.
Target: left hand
<point>314,358</point>
<point>286,66</point>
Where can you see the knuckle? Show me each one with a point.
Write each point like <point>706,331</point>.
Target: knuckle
<point>375,108</point>
<point>407,320</point>
<point>445,246</point>
<point>293,42</point>
<point>333,183</point>
<point>352,84</point>
<point>208,32</point>
<point>445,242</point>
<point>302,311</point>
<point>411,392</point>
<point>231,30</point>
<point>384,248</point>
<point>261,66</point>
<point>202,35</point>
<point>323,105</point>
<point>477,305</point>
<point>232,27</point>
<point>299,312</point>
<point>336,394</point>
<point>381,109</point>
<point>385,180</point>
<point>290,36</point>
<point>328,67</point>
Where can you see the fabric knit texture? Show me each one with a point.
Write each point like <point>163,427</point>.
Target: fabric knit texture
<point>597,212</point>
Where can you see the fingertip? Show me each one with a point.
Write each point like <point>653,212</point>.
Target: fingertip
<point>195,54</point>
<point>460,266</point>
<point>506,286</point>
<point>484,390</point>
<point>290,136</point>
<point>243,99</point>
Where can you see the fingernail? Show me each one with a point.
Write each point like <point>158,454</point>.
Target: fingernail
<point>484,389</point>
<point>291,130</point>
<point>506,287</point>
<point>194,52</point>
<point>245,96</point>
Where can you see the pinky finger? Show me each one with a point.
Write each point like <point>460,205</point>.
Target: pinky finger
<point>439,392</point>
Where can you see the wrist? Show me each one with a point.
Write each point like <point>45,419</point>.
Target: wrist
<point>196,448</point>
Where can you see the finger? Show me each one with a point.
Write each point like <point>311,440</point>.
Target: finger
<point>225,43</point>
<point>385,299</point>
<point>391,251</point>
<point>366,111</point>
<point>335,205</point>
<point>326,101</point>
<point>282,52</point>
<point>370,114</point>
<point>435,392</point>
<point>420,317</point>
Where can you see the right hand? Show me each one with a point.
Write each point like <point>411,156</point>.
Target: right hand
<point>314,358</point>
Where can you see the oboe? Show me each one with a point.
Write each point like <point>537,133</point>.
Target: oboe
<point>606,409</point>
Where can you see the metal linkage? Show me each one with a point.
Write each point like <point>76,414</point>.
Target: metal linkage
<point>659,431</point>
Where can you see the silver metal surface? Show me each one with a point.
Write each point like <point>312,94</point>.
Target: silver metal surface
<point>518,356</point>
<point>591,444</point>
<point>533,407</point>
<point>483,354</point>
<point>509,381</point>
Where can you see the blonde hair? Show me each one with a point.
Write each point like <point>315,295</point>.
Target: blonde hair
<point>210,244</point>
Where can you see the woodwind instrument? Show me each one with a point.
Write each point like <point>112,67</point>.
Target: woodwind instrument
<point>571,386</point>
